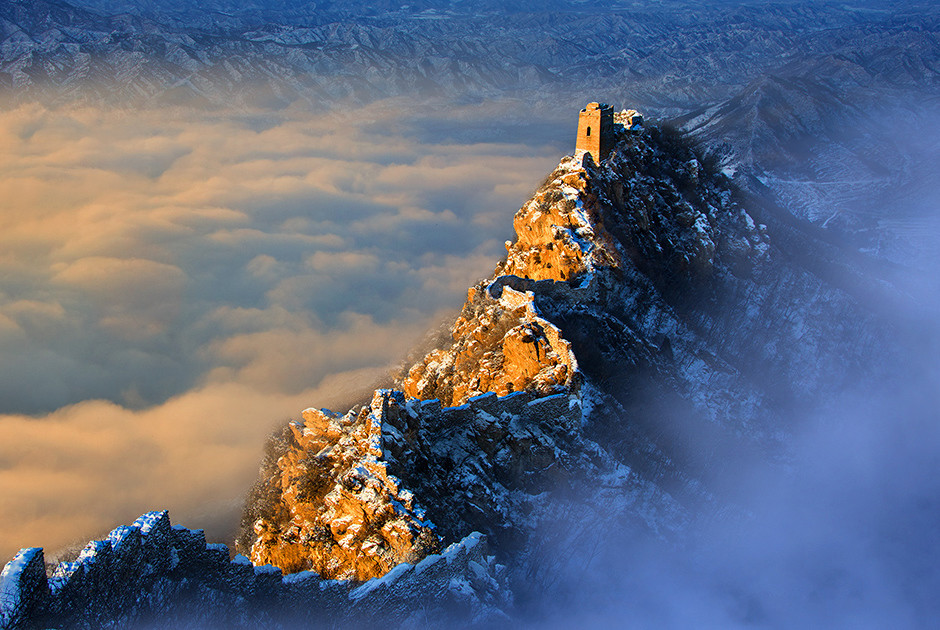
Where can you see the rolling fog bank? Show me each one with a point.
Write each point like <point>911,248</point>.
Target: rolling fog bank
<point>177,282</point>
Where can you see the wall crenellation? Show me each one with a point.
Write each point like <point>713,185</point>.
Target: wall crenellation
<point>529,406</point>
<point>154,570</point>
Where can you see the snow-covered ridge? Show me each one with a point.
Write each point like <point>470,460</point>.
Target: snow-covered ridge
<point>632,281</point>
<point>152,570</point>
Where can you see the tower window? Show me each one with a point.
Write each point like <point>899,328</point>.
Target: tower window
<point>588,131</point>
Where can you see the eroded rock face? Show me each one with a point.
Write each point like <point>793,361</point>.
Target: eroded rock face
<point>489,475</point>
<point>501,342</point>
<point>560,233</point>
<point>500,345</point>
<point>510,463</point>
<point>338,511</point>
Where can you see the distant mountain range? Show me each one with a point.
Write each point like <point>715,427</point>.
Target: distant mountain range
<point>805,98</point>
<point>671,56</point>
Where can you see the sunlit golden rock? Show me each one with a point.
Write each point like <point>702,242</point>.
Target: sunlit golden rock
<point>500,345</point>
<point>330,505</point>
<point>334,509</point>
<point>559,231</point>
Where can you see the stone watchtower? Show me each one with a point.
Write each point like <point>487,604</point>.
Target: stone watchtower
<point>596,131</point>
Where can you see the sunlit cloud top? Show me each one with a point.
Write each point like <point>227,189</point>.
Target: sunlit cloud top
<point>173,260</point>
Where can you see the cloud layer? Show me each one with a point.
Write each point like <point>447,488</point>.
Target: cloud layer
<point>844,536</point>
<point>176,282</point>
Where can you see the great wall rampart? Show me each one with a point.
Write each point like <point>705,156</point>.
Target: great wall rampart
<point>527,406</point>
<point>152,570</point>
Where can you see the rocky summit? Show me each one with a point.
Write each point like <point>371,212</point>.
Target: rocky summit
<point>644,325</point>
<point>649,325</point>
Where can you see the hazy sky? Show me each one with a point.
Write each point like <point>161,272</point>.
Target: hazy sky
<point>175,283</point>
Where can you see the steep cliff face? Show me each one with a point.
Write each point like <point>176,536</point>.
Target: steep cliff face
<point>642,327</point>
<point>336,509</point>
<point>500,346</point>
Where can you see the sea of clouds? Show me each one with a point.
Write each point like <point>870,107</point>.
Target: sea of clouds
<point>175,283</point>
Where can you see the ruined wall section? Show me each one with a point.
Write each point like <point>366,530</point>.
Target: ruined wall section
<point>153,572</point>
<point>502,342</point>
<point>502,345</point>
<point>343,502</point>
<point>333,506</point>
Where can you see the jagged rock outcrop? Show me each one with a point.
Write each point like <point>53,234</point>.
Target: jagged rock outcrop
<point>489,475</point>
<point>643,328</point>
<point>154,575</point>
<point>338,510</point>
<point>500,346</point>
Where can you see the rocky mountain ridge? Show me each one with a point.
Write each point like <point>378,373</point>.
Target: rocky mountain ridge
<point>152,574</point>
<point>642,329</point>
<point>643,334</point>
